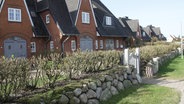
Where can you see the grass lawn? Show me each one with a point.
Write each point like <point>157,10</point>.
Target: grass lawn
<point>146,94</point>
<point>174,69</point>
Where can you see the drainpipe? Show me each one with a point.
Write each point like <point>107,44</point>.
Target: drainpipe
<point>63,45</point>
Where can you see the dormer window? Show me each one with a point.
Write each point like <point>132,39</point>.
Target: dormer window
<point>144,34</point>
<point>85,17</point>
<point>14,15</point>
<point>39,0</point>
<point>108,20</point>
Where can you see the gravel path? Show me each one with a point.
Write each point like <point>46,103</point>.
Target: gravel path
<point>177,84</point>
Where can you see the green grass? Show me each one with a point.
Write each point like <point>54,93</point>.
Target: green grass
<point>173,69</point>
<point>146,94</point>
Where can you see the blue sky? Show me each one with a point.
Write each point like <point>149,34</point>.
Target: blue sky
<point>166,14</point>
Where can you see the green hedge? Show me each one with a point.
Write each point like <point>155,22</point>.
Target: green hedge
<point>17,74</point>
<point>148,52</point>
<point>28,74</point>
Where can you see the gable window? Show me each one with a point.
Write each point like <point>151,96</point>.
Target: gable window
<point>101,44</point>
<point>85,17</point>
<point>109,44</point>
<point>14,15</point>
<point>51,46</point>
<point>96,44</point>
<point>47,19</point>
<point>117,43</point>
<point>33,47</point>
<point>73,45</point>
<point>108,20</point>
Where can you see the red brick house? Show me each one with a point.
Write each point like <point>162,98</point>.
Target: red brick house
<point>31,27</point>
<point>110,33</point>
<point>99,29</point>
<point>16,35</point>
<point>63,32</point>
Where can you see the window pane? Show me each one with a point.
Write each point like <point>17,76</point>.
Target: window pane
<point>17,15</point>
<point>85,17</point>
<point>101,44</point>
<point>108,20</point>
<point>73,45</point>
<point>117,43</point>
<point>51,46</point>
<point>33,47</point>
<point>10,14</point>
<point>109,44</point>
<point>47,19</point>
<point>14,14</point>
<point>96,43</point>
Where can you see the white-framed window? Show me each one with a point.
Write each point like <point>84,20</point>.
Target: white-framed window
<point>108,20</point>
<point>96,44</point>
<point>109,44</point>
<point>101,44</point>
<point>51,46</point>
<point>144,34</point>
<point>47,19</point>
<point>33,47</point>
<point>39,0</point>
<point>138,34</point>
<point>85,17</point>
<point>117,43</point>
<point>121,46</point>
<point>73,45</point>
<point>14,15</point>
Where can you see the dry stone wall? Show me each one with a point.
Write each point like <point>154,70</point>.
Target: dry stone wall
<point>101,89</point>
<point>152,67</point>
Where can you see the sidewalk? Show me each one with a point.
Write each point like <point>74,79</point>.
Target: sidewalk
<point>176,84</point>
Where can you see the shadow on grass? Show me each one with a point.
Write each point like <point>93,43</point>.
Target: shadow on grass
<point>132,91</point>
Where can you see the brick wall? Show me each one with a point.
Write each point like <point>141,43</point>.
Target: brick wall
<point>21,29</point>
<point>86,29</point>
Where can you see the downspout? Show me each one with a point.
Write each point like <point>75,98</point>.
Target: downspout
<point>63,45</point>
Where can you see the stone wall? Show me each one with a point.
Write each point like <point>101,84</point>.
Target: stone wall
<point>153,66</point>
<point>101,89</point>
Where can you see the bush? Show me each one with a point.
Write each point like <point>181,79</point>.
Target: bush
<point>84,62</point>
<point>13,77</point>
<point>148,52</point>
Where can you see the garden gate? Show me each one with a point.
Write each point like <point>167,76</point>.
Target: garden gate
<point>133,59</point>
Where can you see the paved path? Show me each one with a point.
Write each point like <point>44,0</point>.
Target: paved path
<point>177,84</point>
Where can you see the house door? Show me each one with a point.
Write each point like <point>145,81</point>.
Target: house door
<point>15,46</point>
<point>86,43</point>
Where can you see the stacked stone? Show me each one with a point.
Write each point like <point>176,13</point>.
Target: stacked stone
<point>101,89</point>
<point>161,61</point>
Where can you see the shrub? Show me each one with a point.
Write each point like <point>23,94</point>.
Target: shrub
<point>13,76</point>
